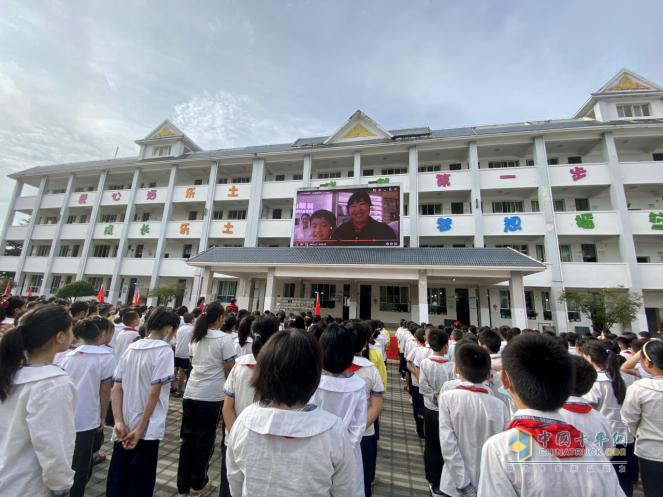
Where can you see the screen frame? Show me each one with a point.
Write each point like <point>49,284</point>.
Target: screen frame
<point>363,186</point>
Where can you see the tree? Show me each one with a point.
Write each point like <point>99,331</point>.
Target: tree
<point>76,289</point>
<point>605,307</point>
<point>166,292</point>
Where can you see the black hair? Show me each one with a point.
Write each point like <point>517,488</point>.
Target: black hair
<point>491,340</point>
<point>262,328</point>
<point>605,358</point>
<point>337,344</point>
<point>288,368</point>
<point>473,362</point>
<point>87,329</point>
<point>244,329</point>
<point>187,317</point>
<point>129,317</point>
<point>653,352</point>
<point>35,329</point>
<point>585,376</point>
<point>229,322</point>
<point>326,215</point>
<point>161,317</point>
<point>437,339</point>
<point>636,345</point>
<point>298,322</point>
<point>212,312</point>
<point>79,306</point>
<point>420,335</point>
<point>358,196</point>
<point>455,334</point>
<point>233,300</point>
<point>572,339</point>
<point>540,371</point>
<point>182,310</point>
<point>14,303</point>
<point>92,306</point>
<point>305,214</point>
<point>361,335</point>
<point>102,323</point>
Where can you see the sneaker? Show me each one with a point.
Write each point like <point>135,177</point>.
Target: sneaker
<point>203,492</point>
<point>435,490</point>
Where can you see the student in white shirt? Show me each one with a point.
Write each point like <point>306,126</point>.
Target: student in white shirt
<point>633,366</point>
<point>401,335</point>
<point>283,446</point>
<point>182,356</point>
<point>538,374</point>
<point>572,341</point>
<point>128,334</point>
<point>212,358</point>
<point>342,392</point>
<point>37,401</point>
<point>140,406</point>
<point>13,306</point>
<point>243,342</point>
<point>412,349</point>
<point>468,415</point>
<point>642,412</point>
<point>91,367</point>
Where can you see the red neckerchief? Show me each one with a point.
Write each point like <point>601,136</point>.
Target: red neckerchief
<point>250,366</point>
<point>353,368</point>
<point>472,389</point>
<point>578,408</point>
<point>439,361</point>
<point>537,426</point>
<point>129,328</point>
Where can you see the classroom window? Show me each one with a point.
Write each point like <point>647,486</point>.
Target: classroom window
<point>573,311</point>
<point>74,250</point>
<point>279,177</point>
<point>588,252</point>
<point>498,164</point>
<point>430,209</point>
<point>582,204</point>
<point>529,162</point>
<point>505,304</point>
<point>508,206</point>
<point>545,303</point>
<point>553,161</point>
<point>101,251</point>
<point>193,215</point>
<point>139,252</point>
<point>456,166</point>
<point>575,159</point>
<point>559,205</point>
<point>227,290</point>
<point>186,251</point>
<point>437,300</point>
<point>394,170</point>
<point>535,206</point>
<point>350,174</point>
<point>289,290</point>
<point>327,294</point>
<point>242,179</point>
<point>642,258</point>
<point>523,249</point>
<point>657,157</point>
<point>83,218</point>
<point>457,208</point>
<point>71,219</point>
<point>277,213</point>
<point>43,250</point>
<point>217,215</point>
<point>430,168</point>
<point>64,251</point>
<point>297,177</point>
<point>116,187</point>
<point>55,283</point>
<point>161,151</point>
<point>329,174</point>
<point>367,172</point>
<point>237,214</point>
<point>565,253</point>
<point>633,110</point>
<point>394,298</point>
<point>108,218</point>
<point>222,181</point>
<point>529,305</point>
<point>541,253</point>
<point>145,217</point>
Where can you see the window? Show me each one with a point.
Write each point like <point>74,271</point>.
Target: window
<point>437,300</point>
<point>642,258</point>
<point>541,253</point>
<point>657,157</point>
<point>227,290</point>
<point>350,174</point>
<point>279,177</point>
<point>535,206</point>
<point>242,179</point>
<point>394,170</point>
<point>64,251</point>
<point>545,303</point>
<point>523,249</point>
<point>405,208</point>
<point>327,294</point>
<point>55,283</point>
<point>576,159</point>
<point>71,219</point>
<point>145,216</point>
<point>573,312</point>
<point>497,164</point>
<point>43,250</point>
<point>507,206</point>
<point>329,174</point>
<point>456,166</point>
<point>297,177</point>
<point>83,218</point>
<point>582,204</point>
<point>116,187</point>
<point>108,218</point>
<point>429,169</point>
<point>529,305</point>
<point>161,151</point>
<point>222,181</point>
<point>193,215</point>
<point>56,191</point>
<point>633,110</point>
<point>457,208</point>
<point>430,209</point>
<point>139,252</point>
<point>558,205</point>
<point>588,252</point>
<point>186,251</point>
<point>565,253</point>
<point>237,214</point>
<point>505,304</point>
<point>276,213</point>
<point>101,251</point>
<point>367,172</point>
<point>458,245</point>
<point>289,290</point>
<point>74,250</point>
<point>553,161</point>
<point>197,182</point>
<point>394,298</point>
<point>51,220</point>
<point>95,281</point>
<point>217,215</point>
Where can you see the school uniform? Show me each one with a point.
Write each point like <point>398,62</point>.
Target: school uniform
<point>378,362</point>
<point>201,408</point>
<point>285,453</point>
<point>182,342</point>
<point>642,413</point>
<point>578,412</point>
<point>503,345</point>
<point>381,341</point>
<point>468,415</point>
<point>125,337</point>
<point>434,372</point>
<point>245,349</point>
<point>401,336</point>
<point>89,367</point>
<point>145,363</point>
<point>573,350</point>
<point>37,435</point>
<point>345,396</point>
<point>118,327</point>
<point>415,355</point>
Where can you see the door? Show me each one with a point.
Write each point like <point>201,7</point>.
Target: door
<point>346,297</point>
<point>364,301</point>
<point>132,289</point>
<point>463,305</point>
<point>652,319</point>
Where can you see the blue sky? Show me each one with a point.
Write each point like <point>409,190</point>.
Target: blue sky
<point>80,78</point>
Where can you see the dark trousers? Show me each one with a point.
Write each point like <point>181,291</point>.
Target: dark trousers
<point>133,473</point>
<point>98,441</point>
<point>432,452</point>
<point>652,477</point>
<point>369,457</point>
<point>82,461</point>
<point>198,434</point>
<point>418,410</point>
<point>224,487</point>
<point>402,365</point>
<point>626,477</point>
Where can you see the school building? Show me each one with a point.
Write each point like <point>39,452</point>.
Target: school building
<point>497,220</point>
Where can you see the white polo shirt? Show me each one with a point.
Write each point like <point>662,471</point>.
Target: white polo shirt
<point>182,341</point>
<point>207,358</point>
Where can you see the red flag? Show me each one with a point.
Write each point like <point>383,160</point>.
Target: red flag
<point>101,294</point>
<point>29,291</point>
<point>136,301</point>
<point>8,289</point>
<point>317,305</point>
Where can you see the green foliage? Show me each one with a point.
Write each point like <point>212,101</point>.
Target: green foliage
<point>605,307</point>
<point>76,289</point>
<point>166,292</point>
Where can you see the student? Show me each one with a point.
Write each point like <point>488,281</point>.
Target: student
<point>417,400</point>
<point>607,395</point>
<point>232,306</point>
<point>182,355</point>
<point>633,366</point>
<point>37,401</point>
<point>90,366</point>
<point>401,335</point>
<point>79,310</point>
<point>212,358</point>
<point>140,405</point>
<point>282,445</point>
<point>468,415</point>
<point>127,334</point>
<point>243,342</point>
<point>342,392</point>
<point>13,306</point>
<point>490,340</point>
<point>642,413</point>
<point>434,371</point>
<point>538,374</point>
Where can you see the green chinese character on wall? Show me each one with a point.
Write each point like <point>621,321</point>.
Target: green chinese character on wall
<point>382,181</point>
<point>585,221</point>
<point>108,230</point>
<point>145,228</point>
<point>656,220</point>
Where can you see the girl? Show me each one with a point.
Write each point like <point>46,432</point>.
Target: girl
<point>342,392</point>
<point>642,412</point>
<point>14,306</point>
<point>212,358</point>
<point>90,366</point>
<point>243,342</point>
<point>280,445</point>
<point>606,396</point>
<point>37,401</point>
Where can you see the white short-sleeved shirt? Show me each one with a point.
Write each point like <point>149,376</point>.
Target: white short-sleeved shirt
<point>146,362</point>
<point>125,337</point>
<point>602,398</point>
<point>89,366</point>
<point>183,339</point>
<point>367,371</point>
<point>207,358</point>
<point>245,349</point>
<point>238,383</point>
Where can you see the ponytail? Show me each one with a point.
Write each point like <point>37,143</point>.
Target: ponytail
<point>244,330</point>
<point>212,312</point>
<point>262,328</point>
<point>87,329</point>
<point>606,359</point>
<point>11,359</point>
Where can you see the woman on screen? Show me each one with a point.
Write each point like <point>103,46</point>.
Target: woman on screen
<point>303,229</point>
<point>323,223</point>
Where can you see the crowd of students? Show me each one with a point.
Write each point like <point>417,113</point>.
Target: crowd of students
<point>501,412</point>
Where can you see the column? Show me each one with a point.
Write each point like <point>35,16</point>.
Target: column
<point>357,168</point>
<point>484,307</point>
<point>255,203</point>
<point>87,243</point>
<point>517,290</point>
<point>353,307</point>
<point>475,194</point>
<point>550,240</point>
<point>422,296</point>
<point>243,292</point>
<point>306,173</point>
<point>9,218</point>
<point>161,243</point>
<point>28,234</point>
<point>626,244</point>
<point>270,290</point>
<point>207,283</point>
<point>55,244</point>
<point>114,290</point>
<point>413,202</point>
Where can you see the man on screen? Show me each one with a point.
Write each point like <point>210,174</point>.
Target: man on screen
<point>362,226</point>
<point>323,223</point>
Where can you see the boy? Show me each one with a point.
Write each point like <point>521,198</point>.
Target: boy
<point>434,372</point>
<point>128,333</point>
<point>417,349</point>
<point>572,340</point>
<point>538,374</point>
<point>468,415</point>
<point>491,341</point>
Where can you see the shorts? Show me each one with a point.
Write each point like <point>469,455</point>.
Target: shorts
<point>184,363</point>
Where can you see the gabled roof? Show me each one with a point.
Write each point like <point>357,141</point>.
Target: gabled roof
<point>358,126</point>
<point>167,131</point>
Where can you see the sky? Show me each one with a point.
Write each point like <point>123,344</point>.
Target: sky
<point>78,79</point>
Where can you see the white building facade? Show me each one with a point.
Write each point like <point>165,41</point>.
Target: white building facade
<point>583,195</point>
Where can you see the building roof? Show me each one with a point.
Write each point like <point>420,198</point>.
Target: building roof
<point>369,256</point>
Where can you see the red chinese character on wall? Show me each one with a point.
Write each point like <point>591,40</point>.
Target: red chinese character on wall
<point>578,173</point>
<point>151,194</point>
<point>83,198</point>
<point>116,196</point>
<point>444,179</point>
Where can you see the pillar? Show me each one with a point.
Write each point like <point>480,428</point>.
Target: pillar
<point>243,292</point>
<point>422,297</point>
<point>353,303</point>
<point>270,290</point>
<point>484,307</point>
<point>413,209</point>
<point>306,173</point>
<point>9,218</point>
<point>357,168</point>
<point>475,194</point>
<point>255,203</point>
<point>517,290</point>
<point>87,243</point>
<point>207,282</point>
<point>28,234</point>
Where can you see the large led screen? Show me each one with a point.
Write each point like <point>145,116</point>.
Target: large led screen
<point>348,217</point>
